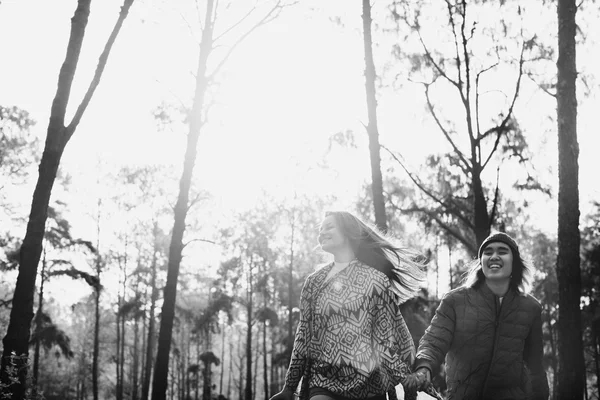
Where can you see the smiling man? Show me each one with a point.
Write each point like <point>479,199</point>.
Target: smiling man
<point>489,331</point>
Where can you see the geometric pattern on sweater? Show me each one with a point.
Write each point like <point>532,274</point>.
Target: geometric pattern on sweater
<point>353,333</point>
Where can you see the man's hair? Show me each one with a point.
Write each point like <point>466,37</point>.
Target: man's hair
<point>519,279</point>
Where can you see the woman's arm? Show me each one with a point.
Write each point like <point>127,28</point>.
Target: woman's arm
<point>392,341</point>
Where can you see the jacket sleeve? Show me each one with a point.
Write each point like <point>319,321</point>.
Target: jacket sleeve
<point>301,341</point>
<point>392,341</point>
<point>533,354</point>
<point>437,339</point>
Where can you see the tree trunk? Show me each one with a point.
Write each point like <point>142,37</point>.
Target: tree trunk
<point>265,362</point>
<point>135,366</point>
<point>18,333</point>
<point>290,336</point>
<point>249,311</point>
<point>36,354</point>
<point>230,374</point>
<point>159,385</point>
<point>571,375</point>
<point>481,221</point>
<point>151,321</point>
<point>222,359</point>
<point>119,379</point>
<point>96,351</point>
<point>372,129</point>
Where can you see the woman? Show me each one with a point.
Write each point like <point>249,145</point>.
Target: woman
<point>352,342</point>
<point>489,330</point>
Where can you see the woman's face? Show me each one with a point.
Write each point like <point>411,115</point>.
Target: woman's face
<point>497,261</point>
<point>331,237</point>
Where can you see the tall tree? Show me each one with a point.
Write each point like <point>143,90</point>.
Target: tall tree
<point>571,369</point>
<point>58,135</point>
<point>479,133</point>
<point>196,120</point>
<point>372,128</point>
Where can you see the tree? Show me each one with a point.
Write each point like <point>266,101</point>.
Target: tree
<point>58,135</point>
<point>571,369</point>
<point>477,132</point>
<point>372,129</point>
<point>196,120</point>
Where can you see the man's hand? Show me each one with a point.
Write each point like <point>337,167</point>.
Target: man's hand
<point>285,394</point>
<point>417,380</point>
<point>423,377</point>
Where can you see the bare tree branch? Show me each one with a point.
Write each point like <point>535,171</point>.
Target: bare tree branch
<point>271,15</point>
<point>99,69</point>
<point>496,197</point>
<point>502,127</point>
<point>539,85</point>
<point>467,94</point>
<point>233,26</point>
<point>435,64</point>
<point>427,191</point>
<point>457,59</point>
<point>483,71</point>
<point>435,215</point>
<point>466,167</point>
<point>199,240</point>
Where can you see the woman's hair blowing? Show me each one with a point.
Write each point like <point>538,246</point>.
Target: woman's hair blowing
<point>404,267</point>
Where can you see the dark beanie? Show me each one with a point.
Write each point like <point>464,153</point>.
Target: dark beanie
<point>500,237</point>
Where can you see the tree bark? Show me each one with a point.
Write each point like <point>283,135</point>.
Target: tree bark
<point>372,129</point>
<point>571,374</point>
<point>159,385</point>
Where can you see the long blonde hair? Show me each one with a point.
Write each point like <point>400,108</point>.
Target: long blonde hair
<point>404,267</point>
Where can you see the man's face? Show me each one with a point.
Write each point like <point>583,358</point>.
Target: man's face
<point>497,261</point>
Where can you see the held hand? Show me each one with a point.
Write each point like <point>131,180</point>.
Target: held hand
<point>411,382</point>
<point>423,377</point>
<point>285,394</point>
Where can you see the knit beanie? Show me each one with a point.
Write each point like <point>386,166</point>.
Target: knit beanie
<point>499,237</point>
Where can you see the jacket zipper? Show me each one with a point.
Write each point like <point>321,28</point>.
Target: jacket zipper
<point>498,312</point>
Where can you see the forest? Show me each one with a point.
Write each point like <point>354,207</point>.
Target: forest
<point>166,165</point>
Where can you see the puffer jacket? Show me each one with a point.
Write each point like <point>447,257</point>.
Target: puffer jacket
<point>493,350</point>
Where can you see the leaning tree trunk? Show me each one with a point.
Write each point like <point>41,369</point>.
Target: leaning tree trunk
<point>58,135</point>
<point>161,369</point>
<point>571,374</point>
<point>372,129</point>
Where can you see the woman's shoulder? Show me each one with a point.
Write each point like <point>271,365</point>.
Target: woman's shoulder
<point>376,275</point>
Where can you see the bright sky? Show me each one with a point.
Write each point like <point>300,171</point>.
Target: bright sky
<point>289,87</point>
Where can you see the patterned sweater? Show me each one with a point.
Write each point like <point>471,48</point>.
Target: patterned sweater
<point>352,330</point>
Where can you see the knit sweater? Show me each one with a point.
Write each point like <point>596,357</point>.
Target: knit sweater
<point>352,331</point>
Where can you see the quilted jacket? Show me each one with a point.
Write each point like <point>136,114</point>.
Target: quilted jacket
<point>353,333</point>
<point>493,350</point>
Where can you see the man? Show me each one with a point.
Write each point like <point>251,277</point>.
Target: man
<point>488,330</point>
